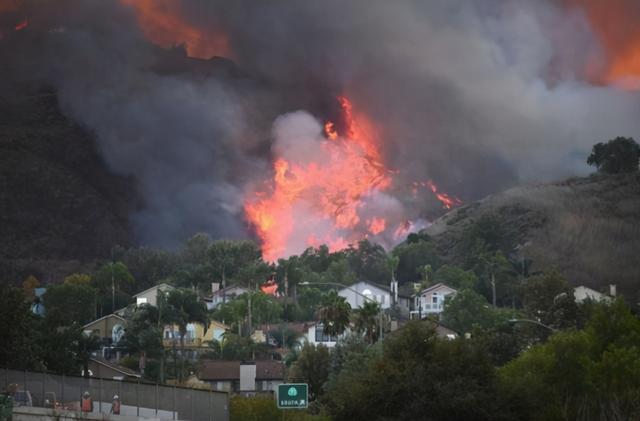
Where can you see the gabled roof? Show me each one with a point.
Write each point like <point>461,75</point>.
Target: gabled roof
<point>376,285</point>
<point>116,367</point>
<point>434,287</point>
<point>104,317</point>
<point>159,286</point>
<point>229,288</point>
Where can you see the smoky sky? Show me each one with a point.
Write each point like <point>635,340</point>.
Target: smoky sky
<point>476,95</point>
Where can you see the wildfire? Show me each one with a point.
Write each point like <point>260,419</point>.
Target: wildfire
<point>615,22</point>
<point>448,202</point>
<point>163,23</point>
<point>322,197</point>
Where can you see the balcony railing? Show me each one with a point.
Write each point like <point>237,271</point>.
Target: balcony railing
<point>188,342</point>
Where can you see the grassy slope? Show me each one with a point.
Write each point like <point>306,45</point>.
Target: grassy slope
<point>587,228</point>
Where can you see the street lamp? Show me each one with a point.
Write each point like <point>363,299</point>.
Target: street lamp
<point>535,322</point>
<point>352,290</point>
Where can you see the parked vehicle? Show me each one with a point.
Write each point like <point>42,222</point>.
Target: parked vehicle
<point>22,398</point>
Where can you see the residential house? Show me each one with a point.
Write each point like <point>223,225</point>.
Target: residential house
<point>236,376</point>
<point>110,329</point>
<point>380,293</point>
<point>431,300</point>
<point>150,296</point>
<point>224,295</point>
<point>315,335</point>
<point>583,293</point>
<point>195,337</point>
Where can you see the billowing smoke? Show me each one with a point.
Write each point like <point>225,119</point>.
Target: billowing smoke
<point>476,96</point>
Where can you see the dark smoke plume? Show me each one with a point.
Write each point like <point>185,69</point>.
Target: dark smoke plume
<point>476,95</point>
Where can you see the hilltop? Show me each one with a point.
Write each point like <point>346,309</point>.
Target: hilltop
<point>586,228</point>
<point>60,206</point>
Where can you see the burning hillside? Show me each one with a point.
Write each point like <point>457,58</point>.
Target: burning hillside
<point>437,102</point>
<point>326,190</point>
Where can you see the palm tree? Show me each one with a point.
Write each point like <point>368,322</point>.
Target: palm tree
<point>182,308</point>
<point>334,313</point>
<point>366,320</point>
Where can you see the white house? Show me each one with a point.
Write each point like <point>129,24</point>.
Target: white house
<point>315,335</point>
<point>431,300</point>
<point>224,295</point>
<point>583,293</point>
<point>150,296</point>
<point>383,295</point>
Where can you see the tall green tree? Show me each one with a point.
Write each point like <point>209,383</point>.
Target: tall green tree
<point>367,320</point>
<point>19,349</point>
<point>183,307</point>
<point>113,281</point>
<point>619,155</point>
<point>312,367</point>
<point>66,304</point>
<point>334,313</point>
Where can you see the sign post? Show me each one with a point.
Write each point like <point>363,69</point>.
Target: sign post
<point>293,396</point>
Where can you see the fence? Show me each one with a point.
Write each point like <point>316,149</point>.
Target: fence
<point>136,398</point>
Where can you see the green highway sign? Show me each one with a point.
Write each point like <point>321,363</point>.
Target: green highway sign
<point>293,396</point>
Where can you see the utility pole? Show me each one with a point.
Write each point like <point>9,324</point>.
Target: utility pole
<point>113,287</point>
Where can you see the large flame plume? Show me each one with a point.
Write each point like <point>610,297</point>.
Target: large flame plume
<point>162,22</point>
<point>615,22</point>
<point>330,195</point>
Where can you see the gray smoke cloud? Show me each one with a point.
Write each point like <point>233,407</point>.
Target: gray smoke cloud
<point>476,95</point>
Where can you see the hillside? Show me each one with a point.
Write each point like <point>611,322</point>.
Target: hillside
<point>60,207</point>
<point>586,228</point>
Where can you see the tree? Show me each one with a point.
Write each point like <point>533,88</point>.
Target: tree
<point>227,258</point>
<point>309,300</point>
<point>312,367</point>
<point>182,308</point>
<point>619,155</point>
<point>367,320</point>
<point>111,279</point>
<point>455,277</point>
<point>29,285</point>
<point>334,313</point>
<point>541,292</point>
<point>368,261</point>
<point>19,347</point>
<point>66,304</point>
<point>587,374</point>
<point>468,310</point>
<point>418,376</point>
<point>143,334</point>
<point>78,279</point>
<point>413,257</point>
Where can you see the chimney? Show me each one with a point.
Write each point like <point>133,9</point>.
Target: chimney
<point>612,290</point>
<point>247,376</point>
<point>215,286</point>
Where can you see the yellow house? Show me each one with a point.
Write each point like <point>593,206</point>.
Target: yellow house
<point>195,336</point>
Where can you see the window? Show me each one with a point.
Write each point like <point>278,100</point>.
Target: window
<point>434,298</point>
<point>141,300</point>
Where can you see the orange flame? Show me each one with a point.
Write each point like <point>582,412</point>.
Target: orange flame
<point>325,194</point>
<point>163,23</point>
<point>448,202</point>
<point>615,22</point>
<point>376,225</point>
